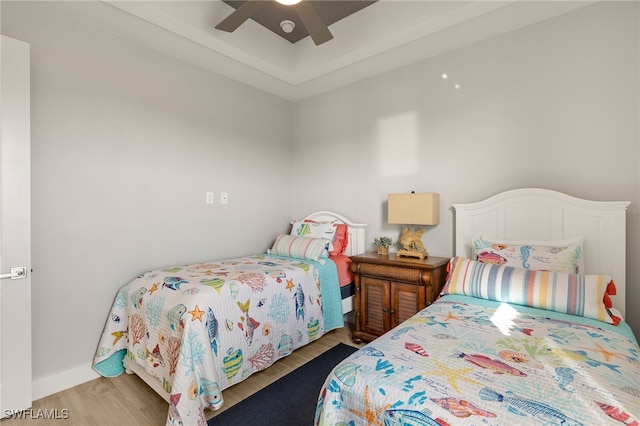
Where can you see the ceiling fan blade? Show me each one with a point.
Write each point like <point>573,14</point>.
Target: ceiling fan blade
<point>241,14</point>
<point>314,24</point>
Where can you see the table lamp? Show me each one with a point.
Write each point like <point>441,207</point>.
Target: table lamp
<point>413,209</point>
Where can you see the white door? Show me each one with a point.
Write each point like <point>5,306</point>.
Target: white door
<point>15,227</point>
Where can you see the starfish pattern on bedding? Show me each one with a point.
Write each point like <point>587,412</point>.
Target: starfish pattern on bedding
<point>607,355</point>
<point>196,314</point>
<point>451,316</point>
<point>290,285</point>
<point>117,336</point>
<point>453,375</point>
<point>369,415</point>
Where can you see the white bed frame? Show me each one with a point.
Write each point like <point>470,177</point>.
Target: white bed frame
<point>357,242</point>
<point>541,214</point>
<point>355,246</point>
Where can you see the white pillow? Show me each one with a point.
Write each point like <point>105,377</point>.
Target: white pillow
<point>326,230</point>
<point>539,255</point>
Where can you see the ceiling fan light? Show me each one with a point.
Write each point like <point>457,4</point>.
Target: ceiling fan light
<point>288,2</point>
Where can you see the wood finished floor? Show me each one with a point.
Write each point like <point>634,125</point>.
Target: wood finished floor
<point>127,400</point>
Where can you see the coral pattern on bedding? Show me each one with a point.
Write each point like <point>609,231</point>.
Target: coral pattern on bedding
<point>469,361</point>
<point>202,328</point>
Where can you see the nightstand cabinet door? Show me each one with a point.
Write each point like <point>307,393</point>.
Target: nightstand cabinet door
<point>375,313</point>
<point>406,301</point>
<point>390,290</point>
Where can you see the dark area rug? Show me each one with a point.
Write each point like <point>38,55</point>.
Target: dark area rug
<point>289,401</point>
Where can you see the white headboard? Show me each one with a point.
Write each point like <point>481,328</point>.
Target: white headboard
<point>356,231</point>
<point>542,214</point>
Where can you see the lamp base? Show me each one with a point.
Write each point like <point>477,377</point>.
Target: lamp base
<point>412,253</point>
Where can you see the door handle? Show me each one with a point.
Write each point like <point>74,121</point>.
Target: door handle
<point>16,273</point>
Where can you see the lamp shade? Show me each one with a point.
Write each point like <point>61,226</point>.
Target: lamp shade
<point>414,209</point>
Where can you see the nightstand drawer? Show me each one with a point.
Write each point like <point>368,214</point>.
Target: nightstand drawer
<point>392,272</point>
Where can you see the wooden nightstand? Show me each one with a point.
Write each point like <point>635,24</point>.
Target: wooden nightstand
<point>391,289</point>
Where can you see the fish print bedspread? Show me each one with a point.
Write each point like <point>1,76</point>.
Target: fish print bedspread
<point>467,361</point>
<point>202,328</point>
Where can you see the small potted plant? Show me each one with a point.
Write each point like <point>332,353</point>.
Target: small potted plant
<point>382,243</point>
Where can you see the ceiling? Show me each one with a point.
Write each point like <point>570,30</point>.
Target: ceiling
<point>379,37</point>
<point>273,13</point>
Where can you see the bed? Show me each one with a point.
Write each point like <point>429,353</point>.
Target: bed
<point>524,333</point>
<point>190,331</point>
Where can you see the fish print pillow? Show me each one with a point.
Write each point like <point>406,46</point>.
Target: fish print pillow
<point>325,230</point>
<point>554,256</point>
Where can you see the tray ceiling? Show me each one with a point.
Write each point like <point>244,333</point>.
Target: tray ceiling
<point>379,37</point>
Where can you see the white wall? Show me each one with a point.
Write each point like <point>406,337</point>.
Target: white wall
<point>125,143</point>
<point>554,105</point>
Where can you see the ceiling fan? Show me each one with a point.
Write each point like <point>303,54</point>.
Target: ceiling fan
<point>305,10</point>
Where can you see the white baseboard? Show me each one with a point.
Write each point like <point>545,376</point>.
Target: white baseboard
<point>48,385</point>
